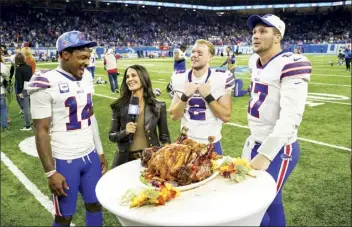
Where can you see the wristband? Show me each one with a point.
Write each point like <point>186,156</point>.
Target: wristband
<point>50,173</point>
<point>209,98</point>
<point>184,98</point>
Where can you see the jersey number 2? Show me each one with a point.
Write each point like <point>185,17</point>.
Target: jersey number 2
<point>71,103</point>
<point>263,90</point>
<point>197,109</point>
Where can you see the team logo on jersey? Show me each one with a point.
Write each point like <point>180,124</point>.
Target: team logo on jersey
<point>286,157</point>
<point>64,88</point>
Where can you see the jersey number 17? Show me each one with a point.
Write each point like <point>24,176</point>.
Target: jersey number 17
<point>262,89</point>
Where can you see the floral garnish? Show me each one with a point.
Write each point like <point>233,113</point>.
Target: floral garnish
<point>235,169</point>
<point>150,196</point>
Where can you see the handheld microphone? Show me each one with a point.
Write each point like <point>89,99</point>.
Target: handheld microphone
<point>133,112</point>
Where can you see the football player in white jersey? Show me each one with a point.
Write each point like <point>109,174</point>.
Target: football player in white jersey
<point>202,97</point>
<point>180,58</point>
<point>92,59</point>
<point>72,155</point>
<point>279,88</point>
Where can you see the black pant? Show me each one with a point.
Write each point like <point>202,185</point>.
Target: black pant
<point>348,63</point>
<point>127,156</point>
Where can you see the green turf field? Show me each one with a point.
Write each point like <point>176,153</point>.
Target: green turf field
<point>318,193</point>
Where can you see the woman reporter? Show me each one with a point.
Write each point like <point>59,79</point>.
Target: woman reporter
<point>152,114</point>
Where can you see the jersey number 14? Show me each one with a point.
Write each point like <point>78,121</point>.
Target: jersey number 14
<point>71,103</point>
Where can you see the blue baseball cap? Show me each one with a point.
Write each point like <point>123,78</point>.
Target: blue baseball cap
<point>269,20</point>
<point>73,39</point>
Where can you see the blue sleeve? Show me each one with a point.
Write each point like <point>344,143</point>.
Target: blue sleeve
<point>233,60</point>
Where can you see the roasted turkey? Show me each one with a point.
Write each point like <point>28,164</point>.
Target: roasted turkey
<point>182,162</point>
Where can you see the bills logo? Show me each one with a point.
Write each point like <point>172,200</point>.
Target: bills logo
<point>286,157</point>
<point>80,36</point>
<point>64,88</point>
<point>64,43</point>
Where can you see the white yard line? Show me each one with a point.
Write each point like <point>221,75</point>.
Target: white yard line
<point>246,127</point>
<point>329,75</point>
<point>300,138</point>
<point>303,139</point>
<point>32,188</point>
<point>313,83</point>
<point>341,103</point>
<point>325,144</point>
<point>324,84</point>
<point>104,96</point>
<point>247,78</point>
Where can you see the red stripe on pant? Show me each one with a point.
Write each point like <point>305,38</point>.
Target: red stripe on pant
<point>56,206</point>
<point>283,168</point>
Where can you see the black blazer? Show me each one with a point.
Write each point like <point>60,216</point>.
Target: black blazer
<point>23,73</point>
<point>151,122</point>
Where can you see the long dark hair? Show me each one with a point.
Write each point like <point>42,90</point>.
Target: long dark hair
<point>19,59</point>
<point>126,94</point>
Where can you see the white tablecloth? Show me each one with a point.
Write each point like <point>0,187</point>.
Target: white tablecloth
<point>218,202</point>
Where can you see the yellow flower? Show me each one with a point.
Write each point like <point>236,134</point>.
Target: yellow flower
<point>214,165</point>
<point>135,202</point>
<point>224,168</point>
<point>168,186</point>
<point>142,196</point>
<point>164,193</point>
<point>241,161</point>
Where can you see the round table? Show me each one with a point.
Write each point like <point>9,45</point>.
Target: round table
<point>218,202</point>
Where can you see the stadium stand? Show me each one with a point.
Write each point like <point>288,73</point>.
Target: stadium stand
<point>136,26</point>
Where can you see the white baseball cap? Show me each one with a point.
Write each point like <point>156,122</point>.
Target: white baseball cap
<point>269,20</point>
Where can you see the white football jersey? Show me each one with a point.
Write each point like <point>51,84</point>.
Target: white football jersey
<point>198,117</point>
<point>12,59</point>
<point>181,53</point>
<point>272,111</point>
<point>92,60</point>
<point>252,62</point>
<point>58,95</point>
